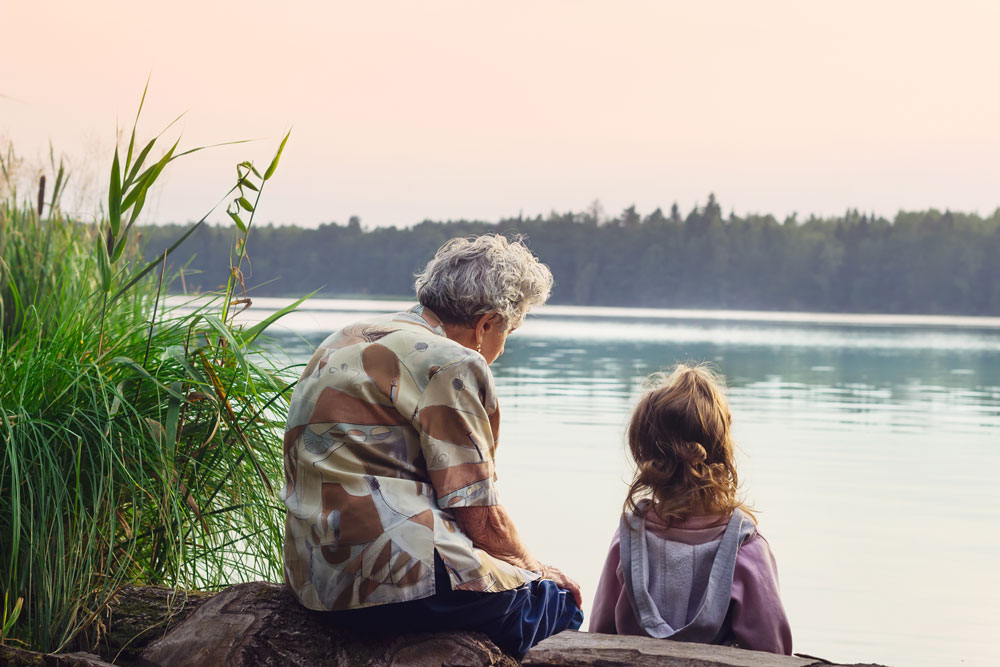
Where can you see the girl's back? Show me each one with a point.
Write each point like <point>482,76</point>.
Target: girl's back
<point>705,577</point>
<point>755,618</point>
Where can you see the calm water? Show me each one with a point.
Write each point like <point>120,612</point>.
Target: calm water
<point>869,445</point>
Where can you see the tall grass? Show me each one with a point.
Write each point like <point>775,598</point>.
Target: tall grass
<point>139,444</point>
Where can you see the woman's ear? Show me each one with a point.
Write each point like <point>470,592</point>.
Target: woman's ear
<point>485,324</point>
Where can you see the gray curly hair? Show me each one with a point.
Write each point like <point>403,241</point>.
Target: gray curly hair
<point>470,277</point>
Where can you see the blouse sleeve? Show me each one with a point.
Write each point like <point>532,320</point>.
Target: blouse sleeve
<point>757,617</point>
<point>609,589</point>
<point>458,419</point>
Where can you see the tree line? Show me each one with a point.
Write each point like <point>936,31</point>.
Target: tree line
<point>928,262</point>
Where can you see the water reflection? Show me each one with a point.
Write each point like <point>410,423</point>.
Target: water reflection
<point>872,452</point>
<point>907,388</point>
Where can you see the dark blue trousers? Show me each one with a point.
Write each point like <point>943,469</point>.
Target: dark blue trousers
<point>515,620</point>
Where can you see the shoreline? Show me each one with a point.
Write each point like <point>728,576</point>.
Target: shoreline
<point>860,320</point>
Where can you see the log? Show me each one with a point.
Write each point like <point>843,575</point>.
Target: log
<point>137,616</point>
<point>15,657</point>
<point>263,624</point>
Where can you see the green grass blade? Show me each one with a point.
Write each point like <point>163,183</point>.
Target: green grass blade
<point>251,334</point>
<point>115,196</point>
<point>139,161</point>
<point>135,124</point>
<point>277,156</point>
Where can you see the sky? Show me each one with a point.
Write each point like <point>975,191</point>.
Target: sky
<point>404,111</point>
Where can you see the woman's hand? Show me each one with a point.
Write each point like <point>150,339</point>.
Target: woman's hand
<point>556,575</point>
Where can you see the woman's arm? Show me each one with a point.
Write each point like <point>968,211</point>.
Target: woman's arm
<point>491,529</point>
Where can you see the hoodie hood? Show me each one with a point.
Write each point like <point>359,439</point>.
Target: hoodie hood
<point>678,590</point>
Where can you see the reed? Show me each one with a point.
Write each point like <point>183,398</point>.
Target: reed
<point>140,444</point>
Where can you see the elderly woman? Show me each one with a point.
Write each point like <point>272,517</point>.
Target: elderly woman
<point>394,521</point>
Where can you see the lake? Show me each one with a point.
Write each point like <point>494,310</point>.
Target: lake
<point>869,445</point>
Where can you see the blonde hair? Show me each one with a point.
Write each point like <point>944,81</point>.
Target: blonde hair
<point>680,440</point>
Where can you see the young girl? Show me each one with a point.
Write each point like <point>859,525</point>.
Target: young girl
<point>687,562</point>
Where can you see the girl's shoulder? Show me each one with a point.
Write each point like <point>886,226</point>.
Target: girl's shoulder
<point>755,558</point>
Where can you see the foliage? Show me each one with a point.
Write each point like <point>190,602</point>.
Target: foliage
<point>924,262</point>
<point>139,442</point>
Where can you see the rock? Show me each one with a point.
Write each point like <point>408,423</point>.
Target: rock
<point>263,624</point>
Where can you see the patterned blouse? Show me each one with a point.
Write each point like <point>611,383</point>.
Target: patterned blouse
<point>391,425</point>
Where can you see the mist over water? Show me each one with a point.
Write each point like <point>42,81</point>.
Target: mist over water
<point>870,448</point>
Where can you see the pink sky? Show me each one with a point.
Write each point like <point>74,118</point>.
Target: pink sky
<point>409,110</point>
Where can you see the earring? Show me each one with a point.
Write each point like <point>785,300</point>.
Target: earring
<point>479,348</point>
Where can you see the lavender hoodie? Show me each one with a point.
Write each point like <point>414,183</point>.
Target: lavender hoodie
<point>694,581</point>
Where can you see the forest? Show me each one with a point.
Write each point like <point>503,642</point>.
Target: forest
<point>927,262</point>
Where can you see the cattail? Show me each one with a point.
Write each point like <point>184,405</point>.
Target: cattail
<point>41,194</point>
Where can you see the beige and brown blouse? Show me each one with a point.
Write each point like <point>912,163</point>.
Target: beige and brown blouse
<point>391,425</point>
